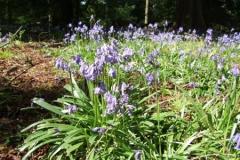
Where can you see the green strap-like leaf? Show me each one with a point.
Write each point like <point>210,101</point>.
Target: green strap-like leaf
<point>52,108</point>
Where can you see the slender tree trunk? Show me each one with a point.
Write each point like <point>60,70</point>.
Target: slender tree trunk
<point>146,12</point>
<point>8,18</point>
<point>197,19</point>
<point>49,16</point>
<point>190,14</point>
<point>76,10</point>
<point>181,11</point>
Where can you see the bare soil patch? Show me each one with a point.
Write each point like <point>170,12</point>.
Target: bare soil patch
<point>27,74</point>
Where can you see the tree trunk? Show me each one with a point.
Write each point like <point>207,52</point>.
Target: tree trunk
<point>146,12</point>
<point>197,19</point>
<point>49,16</point>
<point>76,10</point>
<point>8,12</point>
<point>190,14</point>
<point>181,11</point>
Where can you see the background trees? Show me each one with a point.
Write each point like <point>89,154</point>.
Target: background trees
<point>198,14</point>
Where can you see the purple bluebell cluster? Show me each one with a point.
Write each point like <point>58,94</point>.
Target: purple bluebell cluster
<point>96,32</point>
<point>69,38</point>
<point>61,64</point>
<point>128,34</point>
<point>119,103</point>
<point>81,29</point>
<point>108,53</point>
<point>229,40</point>
<point>236,140</point>
<point>138,33</point>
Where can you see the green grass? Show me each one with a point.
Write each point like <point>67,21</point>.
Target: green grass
<point>5,54</point>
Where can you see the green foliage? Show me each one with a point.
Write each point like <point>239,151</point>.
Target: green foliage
<point>179,122</point>
<point>6,54</point>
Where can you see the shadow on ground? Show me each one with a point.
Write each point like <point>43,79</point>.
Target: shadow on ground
<point>27,74</point>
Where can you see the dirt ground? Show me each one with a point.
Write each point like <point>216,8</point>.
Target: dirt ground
<point>27,74</point>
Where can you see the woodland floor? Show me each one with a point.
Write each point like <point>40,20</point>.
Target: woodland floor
<point>27,73</point>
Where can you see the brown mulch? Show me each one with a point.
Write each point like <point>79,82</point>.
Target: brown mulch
<point>29,73</point>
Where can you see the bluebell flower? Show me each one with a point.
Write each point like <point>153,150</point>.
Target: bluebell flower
<point>111,103</point>
<point>111,30</point>
<point>235,70</point>
<point>138,33</point>
<point>127,53</point>
<point>215,57</point>
<point>137,154</point>
<point>208,37</point>
<point>99,130</point>
<point>66,38</point>
<point>192,85</point>
<point>152,57</point>
<point>58,63</point>
<point>96,32</point>
<point>61,64</point>
<point>91,73</point>
<point>127,35</point>
<point>149,78</point>
<point>130,109</point>
<point>155,25</point>
<point>73,38</point>
<point>123,99</point>
<point>182,55</point>
<point>100,89</point>
<point>209,31</point>
<point>70,109</point>
<point>124,87</point>
<point>112,73</point>
<point>83,68</point>
<point>77,59</point>
<point>130,26</point>
<point>236,140</point>
<point>109,53</point>
<point>220,63</point>
<point>180,29</point>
